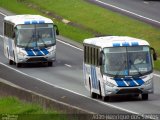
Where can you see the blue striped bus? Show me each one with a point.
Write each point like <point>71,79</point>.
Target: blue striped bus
<point>118,65</point>
<point>29,39</point>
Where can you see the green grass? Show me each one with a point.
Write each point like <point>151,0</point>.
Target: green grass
<point>90,16</point>
<point>30,111</point>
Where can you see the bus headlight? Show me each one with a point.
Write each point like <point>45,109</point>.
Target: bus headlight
<point>148,82</point>
<point>51,53</point>
<point>21,54</point>
<point>109,84</point>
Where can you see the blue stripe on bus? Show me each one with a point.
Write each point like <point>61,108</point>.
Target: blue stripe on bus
<point>38,52</point>
<point>139,81</point>
<point>134,43</point>
<point>41,21</point>
<point>34,22</point>
<point>125,44</point>
<point>130,82</point>
<point>27,22</point>
<point>120,82</point>
<point>94,78</point>
<point>45,51</point>
<point>116,44</point>
<point>30,52</point>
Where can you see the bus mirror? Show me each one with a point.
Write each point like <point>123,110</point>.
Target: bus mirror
<point>14,35</point>
<point>154,54</point>
<point>100,61</point>
<point>56,28</point>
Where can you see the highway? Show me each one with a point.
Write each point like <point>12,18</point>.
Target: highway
<point>66,76</point>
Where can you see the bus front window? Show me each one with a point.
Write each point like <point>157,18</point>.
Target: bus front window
<point>127,61</point>
<point>115,62</point>
<point>39,35</point>
<point>139,60</point>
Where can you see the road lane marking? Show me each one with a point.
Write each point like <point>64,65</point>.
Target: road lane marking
<point>69,45</point>
<point>68,65</point>
<point>121,9</point>
<point>146,2</point>
<point>156,75</point>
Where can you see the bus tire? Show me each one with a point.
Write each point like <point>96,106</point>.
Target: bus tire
<point>18,65</point>
<point>144,96</point>
<point>100,92</point>
<point>10,62</point>
<point>105,98</point>
<point>50,64</point>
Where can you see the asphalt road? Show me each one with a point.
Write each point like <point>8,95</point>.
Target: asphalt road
<point>66,76</point>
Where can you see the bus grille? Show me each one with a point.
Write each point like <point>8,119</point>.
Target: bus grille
<point>39,59</point>
<point>129,91</point>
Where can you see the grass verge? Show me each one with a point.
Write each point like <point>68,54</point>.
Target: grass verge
<point>91,16</point>
<point>11,107</point>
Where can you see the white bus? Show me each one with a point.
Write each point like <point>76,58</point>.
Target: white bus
<point>29,39</point>
<point>111,66</point>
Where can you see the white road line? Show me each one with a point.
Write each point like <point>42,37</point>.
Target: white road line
<point>2,14</point>
<point>128,11</point>
<point>156,75</point>
<point>68,65</point>
<point>69,45</point>
<point>146,2</point>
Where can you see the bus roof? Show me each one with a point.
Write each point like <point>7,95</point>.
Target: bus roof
<point>27,19</point>
<point>114,41</point>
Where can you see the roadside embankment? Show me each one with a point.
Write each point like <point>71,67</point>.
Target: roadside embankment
<point>10,89</point>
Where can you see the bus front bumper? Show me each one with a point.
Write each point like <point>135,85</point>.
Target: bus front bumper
<point>36,59</point>
<point>143,89</point>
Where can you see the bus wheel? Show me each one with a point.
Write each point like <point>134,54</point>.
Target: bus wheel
<point>100,92</point>
<point>18,64</point>
<point>105,98</point>
<point>50,64</point>
<point>93,95</point>
<point>144,96</point>
<point>11,62</point>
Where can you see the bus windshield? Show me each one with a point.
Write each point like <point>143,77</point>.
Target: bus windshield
<point>127,61</point>
<point>35,35</point>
